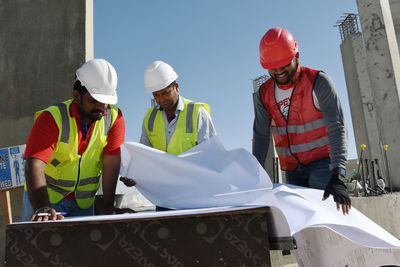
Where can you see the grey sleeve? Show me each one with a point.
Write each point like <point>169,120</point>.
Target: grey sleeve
<point>144,139</point>
<point>261,130</point>
<point>332,111</point>
<point>205,126</point>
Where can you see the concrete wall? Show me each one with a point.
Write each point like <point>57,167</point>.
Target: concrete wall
<point>42,43</point>
<point>383,210</point>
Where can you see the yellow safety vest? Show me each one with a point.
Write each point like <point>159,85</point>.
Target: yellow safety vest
<point>185,135</point>
<point>66,170</point>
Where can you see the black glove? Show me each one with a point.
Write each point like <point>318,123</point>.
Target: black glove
<point>337,189</point>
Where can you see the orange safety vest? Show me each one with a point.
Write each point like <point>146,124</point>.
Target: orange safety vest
<point>303,138</point>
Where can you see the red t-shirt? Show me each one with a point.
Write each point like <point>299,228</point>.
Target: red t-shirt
<point>44,136</point>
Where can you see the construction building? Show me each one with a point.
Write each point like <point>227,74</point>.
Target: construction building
<point>53,48</point>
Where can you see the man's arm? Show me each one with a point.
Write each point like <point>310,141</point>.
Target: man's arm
<point>333,115</point>
<point>112,161</point>
<point>205,126</point>
<point>261,130</point>
<point>36,183</point>
<point>37,190</point>
<point>332,111</point>
<point>111,164</point>
<point>39,148</point>
<point>144,139</point>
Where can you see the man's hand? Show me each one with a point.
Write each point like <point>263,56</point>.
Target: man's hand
<point>127,181</point>
<point>337,189</point>
<point>45,214</point>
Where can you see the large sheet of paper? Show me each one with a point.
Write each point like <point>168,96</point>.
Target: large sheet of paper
<point>208,176</point>
<point>303,208</point>
<point>199,178</point>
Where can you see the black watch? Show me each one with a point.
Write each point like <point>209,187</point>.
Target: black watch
<point>341,172</point>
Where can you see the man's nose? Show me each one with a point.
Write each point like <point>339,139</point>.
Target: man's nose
<point>101,106</point>
<point>158,98</point>
<point>278,70</point>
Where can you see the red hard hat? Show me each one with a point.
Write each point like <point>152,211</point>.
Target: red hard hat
<point>277,48</point>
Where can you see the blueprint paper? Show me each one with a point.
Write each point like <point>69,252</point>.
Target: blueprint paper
<point>201,177</point>
<point>208,176</point>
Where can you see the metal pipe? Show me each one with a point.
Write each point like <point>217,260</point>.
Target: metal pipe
<point>385,147</point>
<point>360,163</point>
<point>273,171</point>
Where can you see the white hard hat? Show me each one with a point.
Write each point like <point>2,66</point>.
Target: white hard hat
<point>158,75</point>
<point>100,79</point>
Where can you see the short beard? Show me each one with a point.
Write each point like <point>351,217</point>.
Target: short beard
<point>95,117</point>
<point>90,115</point>
<point>290,76</point>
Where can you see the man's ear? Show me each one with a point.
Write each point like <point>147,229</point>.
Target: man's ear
<point>76,96</point>
<point>177,87</point>
<point>297,58</point>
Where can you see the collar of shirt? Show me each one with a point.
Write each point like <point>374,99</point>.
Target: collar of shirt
<point>295,79</point>
<point>84,131</point>
<point>74,112</point>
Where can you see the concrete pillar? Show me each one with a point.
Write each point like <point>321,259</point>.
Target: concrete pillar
<point>41,44</point>
<point>383,63</point>
<point>395,10</point>
<point>362,105</point>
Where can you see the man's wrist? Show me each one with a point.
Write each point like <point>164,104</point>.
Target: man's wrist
<point>41,209</point>
<point>340,172</point>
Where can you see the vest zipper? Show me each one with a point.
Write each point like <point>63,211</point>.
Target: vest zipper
<point>79,172</point>
<point>287,124</point>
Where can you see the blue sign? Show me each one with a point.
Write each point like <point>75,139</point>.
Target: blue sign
<point>12,167</point>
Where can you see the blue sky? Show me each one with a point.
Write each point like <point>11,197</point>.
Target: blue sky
<point>213,46</point>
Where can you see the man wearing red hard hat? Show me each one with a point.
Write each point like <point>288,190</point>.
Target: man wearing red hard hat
<point>301,108</point>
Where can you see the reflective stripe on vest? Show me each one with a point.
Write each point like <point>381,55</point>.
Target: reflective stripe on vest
<point>65,122</point>
<point>185,135</point>
<point>299,129</point>
<point>189,118</point>
<point>67,171</point>
<point>303,137</point>
<point>323,141</point>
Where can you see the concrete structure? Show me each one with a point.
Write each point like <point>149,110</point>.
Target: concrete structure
<point>372,68</point>
<point>395,11</point>
<point>374,96</point>
<point>362,104</point>
<point>360,96</point>
<point>42,43</point>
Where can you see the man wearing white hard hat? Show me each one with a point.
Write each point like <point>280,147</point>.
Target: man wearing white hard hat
<point>175,124</point>
<point>71,145</point>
